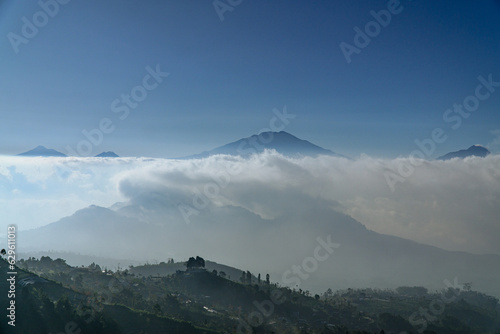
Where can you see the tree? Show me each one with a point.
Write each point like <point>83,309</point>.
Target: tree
<point>45,259</point>
<point>222,274</point>
<point>94,267</point>
<point>258,279</point>
<point>267,279</point>
<point>249,277</point>
<point>157,309</point>
<point>328,293</point>
<point>199,262</point>
<point>243,277</point>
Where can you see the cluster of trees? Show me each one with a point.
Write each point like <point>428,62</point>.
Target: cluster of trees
<point>197,262</point>
<point>94,267</point>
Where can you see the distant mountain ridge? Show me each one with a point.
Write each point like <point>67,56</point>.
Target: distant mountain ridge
<point>282,142</point>
<point>42,151</point>
<point>473,151</point>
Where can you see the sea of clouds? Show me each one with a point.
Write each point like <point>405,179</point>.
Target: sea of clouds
<point>451,204</point>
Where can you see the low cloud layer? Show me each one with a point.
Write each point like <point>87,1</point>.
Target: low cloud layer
<point>451,204</point>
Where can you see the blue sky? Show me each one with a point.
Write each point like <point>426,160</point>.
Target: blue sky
<point>225,77</point>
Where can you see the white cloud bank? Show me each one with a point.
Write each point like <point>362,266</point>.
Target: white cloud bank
<point>451,204</point>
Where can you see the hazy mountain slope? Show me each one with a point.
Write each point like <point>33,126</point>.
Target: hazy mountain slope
<point>366,258</point>
<point>96,231</point>
<point>238,238</point>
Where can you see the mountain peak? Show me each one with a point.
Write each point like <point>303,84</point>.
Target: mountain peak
<point>108,154</point>
<point>283,142</point>
<point>42,151</point>
<point>473,151</point>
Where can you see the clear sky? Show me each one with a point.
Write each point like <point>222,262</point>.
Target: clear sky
<point>226,76</point>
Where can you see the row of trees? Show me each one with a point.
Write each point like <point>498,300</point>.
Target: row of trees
<point>247,278</point>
